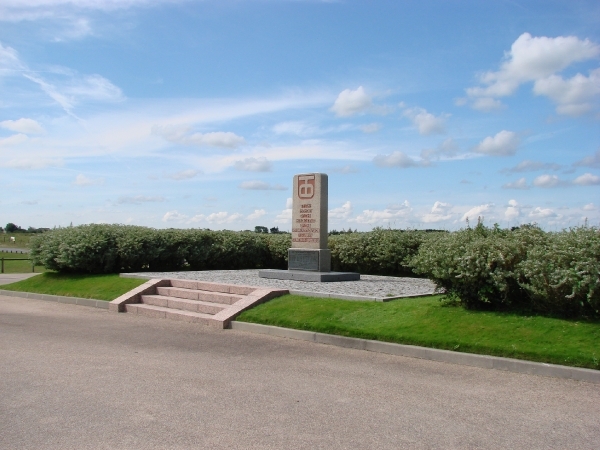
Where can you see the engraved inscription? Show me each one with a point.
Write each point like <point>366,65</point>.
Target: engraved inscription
<point>302,260</point>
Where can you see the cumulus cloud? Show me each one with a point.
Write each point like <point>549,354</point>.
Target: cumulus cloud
<point>426,123</point>
<point>521,183</point>
<point>439,212</point>
<point>15,139</point>
<point>82,180</point>
<point>513,210</point>
<point>589,207</point>
<point>346,169</point>
<point>370,127</point>
<point>261,186</point>
<point>395,159</point>
<point>547,181</point>
<point>257,214</point>
<point>342,213</point>
<point>504,143</point>
<point>590,161</point>
<point>24,125</point>
<point>542,213</point>
<point>184,174</point>
<point>218,218</point>
<point>351,102</point>
<point>487,104</point>
<point>572,96</point>
<point>286,215</point>
<point>174,216</point>
<point>139,199</point>
<point>475,212</point>
<point>182,135</point>
<point>538,59</point>
<point>531,166</point>
<point>587,179</point>
<point>260,164</point>
<point>384,216</point>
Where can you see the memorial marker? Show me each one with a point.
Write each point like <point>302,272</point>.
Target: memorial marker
<point>309,259</point>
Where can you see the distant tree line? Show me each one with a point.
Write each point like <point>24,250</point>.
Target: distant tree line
<point>12,228</point>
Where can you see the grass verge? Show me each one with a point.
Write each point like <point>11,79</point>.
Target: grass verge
<point>11,266</point>
<point>427,322</point>
<point>99,287</point>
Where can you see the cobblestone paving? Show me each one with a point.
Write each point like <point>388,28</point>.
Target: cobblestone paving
<point>368,285</point>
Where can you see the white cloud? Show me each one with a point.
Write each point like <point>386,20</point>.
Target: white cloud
<point>15,139</point>
<point>289,203</point>
<point>590,161</point>
<point>261,186</point>
<point>139,199</point>
<point>395,159</point>
<point>547,181</point>
<point>286,215</point>
<point>257,214</point>
<point>589,207</point>
<point>370,127</point>
<point>82,180</point>
<point>387,215</point>
<point>426,123</point>
<point>24,125</point>
<point>346,169</point>
<point>182,135</point>
<point>296,128</point>
<point>504,143</point>
<point>350,102</point>
<point>260,164</point>
<point>572,96</point>
<point>439,212</point>
<point>513,210</point>
<point>218,218</point>
<point>342,213</point>
<point>487,104</point>
<point>521,183</point>
<point>533,58</point>
<point>542,213</point>
<point>184,174</point>
<point>587,179</point>
<point>531,166</point>
<point>173,216</point>
<point>475,212</point>
<point>447,149</point>
<point>32,163</point>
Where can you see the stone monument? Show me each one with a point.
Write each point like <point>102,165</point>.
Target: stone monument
<point>309,259</point>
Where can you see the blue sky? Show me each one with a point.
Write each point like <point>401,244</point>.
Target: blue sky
<point>198,113</point>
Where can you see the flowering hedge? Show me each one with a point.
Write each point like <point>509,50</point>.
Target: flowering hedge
<point>480,267</point>
<point>526,268</point>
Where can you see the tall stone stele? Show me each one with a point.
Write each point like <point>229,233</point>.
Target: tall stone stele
<point>309,224</point>
<point>309,259</point>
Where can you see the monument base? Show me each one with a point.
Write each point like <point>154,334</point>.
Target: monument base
<point>302,275</point>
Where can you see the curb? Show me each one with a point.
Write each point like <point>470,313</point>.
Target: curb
<point>431,354</point>
<point>58,298</point>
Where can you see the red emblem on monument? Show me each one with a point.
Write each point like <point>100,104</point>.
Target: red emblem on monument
<point>306,186</point>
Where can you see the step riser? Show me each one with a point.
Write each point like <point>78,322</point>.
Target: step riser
<point>172,314</point>
<point>213,297</point>
<point>213,287</point>
<point>190,305</point>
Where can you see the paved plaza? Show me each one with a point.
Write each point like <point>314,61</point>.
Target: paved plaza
<point>78,377</point>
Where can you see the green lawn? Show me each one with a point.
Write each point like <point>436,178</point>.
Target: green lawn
<point>427,322</point>
<point>11,266</point>
<point>21,239</point>
<point>99,287</point>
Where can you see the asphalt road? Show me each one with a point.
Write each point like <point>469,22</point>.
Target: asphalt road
<point>77,377</point>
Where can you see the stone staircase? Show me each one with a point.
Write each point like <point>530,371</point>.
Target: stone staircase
<point>214,304</point>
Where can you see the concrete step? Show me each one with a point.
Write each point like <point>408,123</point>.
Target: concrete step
<point>194,294</point>
<point>168,313</point>
<point>213,287</point>
<point>183,304</point>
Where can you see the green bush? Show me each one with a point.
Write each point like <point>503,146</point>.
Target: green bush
<point>527,268</point>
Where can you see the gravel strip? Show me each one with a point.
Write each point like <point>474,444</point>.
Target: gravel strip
<point>371,286</point>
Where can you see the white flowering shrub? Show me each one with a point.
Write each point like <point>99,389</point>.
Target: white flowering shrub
<point>527,268</point>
